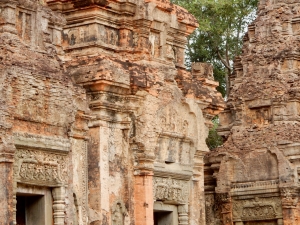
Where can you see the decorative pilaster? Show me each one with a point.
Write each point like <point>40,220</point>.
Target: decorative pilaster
<point>7,201</point>
<point>289,199</point>
<point>143,185</point>
<point>197,198</point>
<point>224,199</point>
<point>58,205</point>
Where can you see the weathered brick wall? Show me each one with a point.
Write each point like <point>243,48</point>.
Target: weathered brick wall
<point>258,164</point>
<point>99,113</point>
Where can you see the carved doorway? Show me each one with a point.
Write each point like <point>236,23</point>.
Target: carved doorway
<point>163,218</point>
<point>34,205</point>
<point>165,214</point>
<point>30,210</point>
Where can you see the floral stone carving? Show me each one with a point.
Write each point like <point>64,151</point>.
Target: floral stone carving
<point>257,209</point>
<point>40,167</point>
<point>168,189</point>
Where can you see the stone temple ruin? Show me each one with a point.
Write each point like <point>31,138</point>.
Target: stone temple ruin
<point>254,177</point>
<point>100,123</point>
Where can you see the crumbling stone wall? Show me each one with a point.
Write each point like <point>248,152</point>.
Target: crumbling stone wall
<point>98,114</point>
<point>253,178</point>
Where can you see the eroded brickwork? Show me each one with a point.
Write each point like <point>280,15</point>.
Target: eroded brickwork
<point>256,171</point>
<point>100,122</point>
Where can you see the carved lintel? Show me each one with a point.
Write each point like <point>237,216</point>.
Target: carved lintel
<point>40,167</point>
<point>257,209</point>
<point>168,189</point>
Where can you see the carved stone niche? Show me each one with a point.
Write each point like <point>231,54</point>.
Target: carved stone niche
<point>119,212</point>
<point>257,209</point>
<point>25,25</point>
<point>259,112</point>
<point>170,190</point>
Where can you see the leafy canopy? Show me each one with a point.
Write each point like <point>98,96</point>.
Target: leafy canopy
<point>222,24</point>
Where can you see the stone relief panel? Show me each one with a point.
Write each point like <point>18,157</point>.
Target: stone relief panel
<point>174,149</point>
<point>155,48</point>
<point>257,209</point>
<point>250,166</point>
<point>119,212</point>
<point>168,189</point>
<point>40,167</point>
<point>176,132</point>
<point>175,118</point>
<point>92,33</point>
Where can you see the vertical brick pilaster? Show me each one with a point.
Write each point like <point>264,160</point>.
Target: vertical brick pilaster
<point>143,199</point>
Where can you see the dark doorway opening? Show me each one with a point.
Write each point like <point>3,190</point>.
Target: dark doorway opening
<point>268,222</point>
<point>30,210</point>
<point>163,218</point>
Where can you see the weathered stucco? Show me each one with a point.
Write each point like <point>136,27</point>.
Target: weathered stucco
<point>100,123</point>
<point>254,177</point>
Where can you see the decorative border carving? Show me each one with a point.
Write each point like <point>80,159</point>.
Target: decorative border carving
<point>168,189</point>
<point>84,184</point>
<point>256,184</point>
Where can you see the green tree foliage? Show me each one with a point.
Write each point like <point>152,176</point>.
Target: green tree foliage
<point>214,140</point>
<point>222,24</point>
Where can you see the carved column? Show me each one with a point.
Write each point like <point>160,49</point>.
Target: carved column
<point>224,200</point>
<point>7,196</point>
<point>197,198</point>
<point>58,205</point>
<point>183,216</point>
<point>289,199</point>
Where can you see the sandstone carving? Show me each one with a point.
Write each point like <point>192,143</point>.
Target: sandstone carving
<point>168,189</point>
<point>40,167</point>
<point>100,122</point>
<point>257,164</point>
